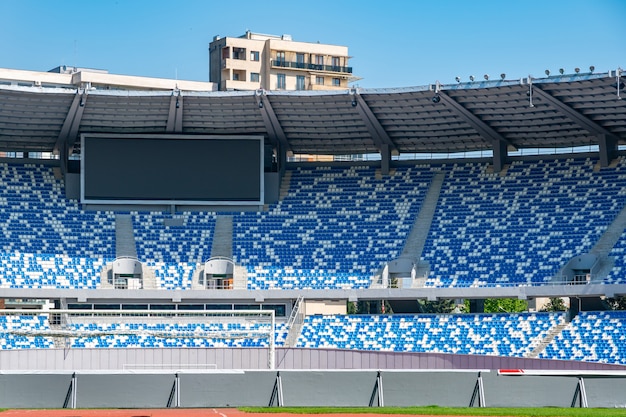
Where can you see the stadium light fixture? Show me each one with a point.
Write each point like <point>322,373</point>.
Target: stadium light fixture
<point>486,77</point>
<point>502,76</point>
<point>548,73</point>
<point>618,83</point>
<point>436,98</point>
<point>592,68</point>
<point>561,71</point>
<point>471,77</point>
<point>576,70</point>
<point>458,79</point>
<point>530,92</point>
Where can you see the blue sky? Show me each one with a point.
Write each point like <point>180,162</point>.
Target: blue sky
<point>436,39</point>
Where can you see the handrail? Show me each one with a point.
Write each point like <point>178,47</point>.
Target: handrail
<point>315,67</point>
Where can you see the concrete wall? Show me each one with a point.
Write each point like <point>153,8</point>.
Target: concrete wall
<point>301,388</point>
<point>327,307</point>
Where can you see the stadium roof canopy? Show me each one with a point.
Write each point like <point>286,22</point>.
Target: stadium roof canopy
<point>500,115</point>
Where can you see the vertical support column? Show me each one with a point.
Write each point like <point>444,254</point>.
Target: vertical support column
<point>377,393</point>
<point>479,392</point>
<point>607,149</point>
<point>477,305</point>
<point>580,394</point>
<point>70,399</point>
<point>277,392</point>
<point>74,391</point>
<point>281,159</point>
<point>385,159</point>
<point>272,347</point>
<point>174,398</point>
<point>500,155</point>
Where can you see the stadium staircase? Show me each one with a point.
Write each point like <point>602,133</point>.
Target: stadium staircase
<point>556,330</point>
<point>223,246</point>
<point>419,233</point>
<point>606,243</point>
<point>223,237</point>
<point>295,323</point>
<point>124,236</point>
<point>125,246</point>
<point>416,239</point>
<point>284,185</point>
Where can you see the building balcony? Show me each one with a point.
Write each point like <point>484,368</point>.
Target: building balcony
<point>314,67</point>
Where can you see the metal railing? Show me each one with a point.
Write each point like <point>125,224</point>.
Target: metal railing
<point>315,67</point>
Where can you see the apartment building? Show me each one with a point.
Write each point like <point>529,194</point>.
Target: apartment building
<point>253,61</point>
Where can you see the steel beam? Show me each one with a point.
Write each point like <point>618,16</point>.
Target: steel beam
<point>607,141</point>
<point>69,130</point>
<point>498,142</point>
<point>576,117</point>
<point>376,130</point>
<point>272,125</point>
<point>483,129</point>
<point>175,115</point>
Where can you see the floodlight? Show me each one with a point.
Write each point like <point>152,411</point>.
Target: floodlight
<point>458,79</point>
<point>592,68</point>
<point>576,70</point>
<point>486,77</point>
<point>548,73</point>
<point>436,98</point>
<point>471,77</point>
<point>502,76</point>
<point>561,71</point>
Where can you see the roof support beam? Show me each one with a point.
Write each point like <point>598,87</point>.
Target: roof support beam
<point>607,145</point>
<point>69,129</point>
<point>272,125</point>
<point>499,143</point>
<point>376,130</point>
<point>385,159</point>
<point>175,115</point>
<point>607,141</point>
<point>572,114</point>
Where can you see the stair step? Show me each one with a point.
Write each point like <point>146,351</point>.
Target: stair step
<point>223,237</point>
<point>124,236</point>
<point>546,340</point>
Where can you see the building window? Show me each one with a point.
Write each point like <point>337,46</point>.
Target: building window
<point>280,82</point>
<point>299,60</point>
<point>336,82</point>
<point>280,58</point>
<point>319,80</point>
<point>319,59</point>
<point>239,53</point>
<point>300,82</point>
<point>254,55</point>
<point>254,77</point>
<point>235,76</point>
<point>336,61</point>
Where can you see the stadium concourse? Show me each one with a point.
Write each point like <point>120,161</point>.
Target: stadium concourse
<point>132,206</point>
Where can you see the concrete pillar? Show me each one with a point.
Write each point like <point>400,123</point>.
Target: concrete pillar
<point>385,159</point>
<point>500,156</point>
<point>607,149</point>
